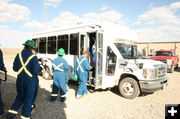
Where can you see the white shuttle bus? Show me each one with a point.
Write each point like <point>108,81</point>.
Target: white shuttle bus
<point>118,61</point>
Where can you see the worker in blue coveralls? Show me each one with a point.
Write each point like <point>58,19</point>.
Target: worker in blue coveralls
<point>60,68</point>
<point>2,68</point>
<point>82,67</point>
<point>27,67</point>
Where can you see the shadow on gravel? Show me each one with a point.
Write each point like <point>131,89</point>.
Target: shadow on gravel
<point>74,85</point>
<point>115,90</point>
<point>44,110</point>
<point>177,69</point>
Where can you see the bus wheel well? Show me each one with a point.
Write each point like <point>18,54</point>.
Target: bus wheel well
<point>128,75</point>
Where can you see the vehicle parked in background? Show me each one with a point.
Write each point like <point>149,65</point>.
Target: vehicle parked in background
<point>168,57</point>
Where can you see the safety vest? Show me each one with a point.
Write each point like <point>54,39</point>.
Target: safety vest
<point>79,64</point>
<point>24,65</point>
<point>58,67</point>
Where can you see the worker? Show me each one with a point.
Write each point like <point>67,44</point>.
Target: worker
<point>60,68</point>
<point>2,68</point>
<point>82,67</point>
<point>94,58</point>
<point>27,67</point>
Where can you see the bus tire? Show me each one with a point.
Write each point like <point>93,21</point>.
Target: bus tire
<point>91,89</point>
<point>129,88</point>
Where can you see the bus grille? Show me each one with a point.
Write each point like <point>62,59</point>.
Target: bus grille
<point>162,71</point>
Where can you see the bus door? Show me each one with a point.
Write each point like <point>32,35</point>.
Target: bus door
<point>99,60</point>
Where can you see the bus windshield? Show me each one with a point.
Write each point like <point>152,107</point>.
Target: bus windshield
<point>129,51</point>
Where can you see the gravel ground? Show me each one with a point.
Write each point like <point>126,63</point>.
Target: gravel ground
<point>99,105</point>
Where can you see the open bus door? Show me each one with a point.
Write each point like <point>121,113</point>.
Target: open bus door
<point>99,60</point>
<point>96,51</point>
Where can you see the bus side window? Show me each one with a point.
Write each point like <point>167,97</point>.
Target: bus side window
<point>36,43</point>
<point>42,45</point>
<point>63,42</point>
<point>74,44</point>
<point>52,45</point>
<point>111,62</point>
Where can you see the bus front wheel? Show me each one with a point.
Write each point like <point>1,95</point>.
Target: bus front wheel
<point>129,88</point>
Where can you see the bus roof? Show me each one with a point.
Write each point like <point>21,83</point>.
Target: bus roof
<point>111,30</point>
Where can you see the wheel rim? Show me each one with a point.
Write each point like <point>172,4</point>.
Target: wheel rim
<point>128,88</point>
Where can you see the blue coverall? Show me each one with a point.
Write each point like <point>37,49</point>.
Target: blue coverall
<point>2,68</point>
<point>82,67</point>
<point>60,68</point>
<point>36,90</point>
<point>26,86</point>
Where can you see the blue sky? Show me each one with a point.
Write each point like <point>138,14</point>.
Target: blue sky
<point>151,19</point>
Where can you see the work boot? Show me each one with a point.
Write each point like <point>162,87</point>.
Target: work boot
<point>33,108</point>
<point>2,114</point>
<point>79,96</point>
<point>63,99</point>
<point>53,99</point>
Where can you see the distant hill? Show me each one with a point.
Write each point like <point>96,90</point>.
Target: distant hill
<point>10,51</point>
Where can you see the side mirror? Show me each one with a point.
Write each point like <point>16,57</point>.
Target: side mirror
<point>140,65</point>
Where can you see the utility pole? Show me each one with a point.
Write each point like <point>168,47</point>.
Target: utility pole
<point>45,13</point>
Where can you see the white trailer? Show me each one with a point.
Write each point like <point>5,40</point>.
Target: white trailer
<point>118,61</point>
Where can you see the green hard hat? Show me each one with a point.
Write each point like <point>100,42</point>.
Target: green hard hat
<point>30,43</point>
<point>61,51</point>
<point>75,77</point>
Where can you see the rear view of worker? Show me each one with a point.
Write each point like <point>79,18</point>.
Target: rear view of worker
<point>27,67</point>
<point>82,68</point>
<point>60,68</point>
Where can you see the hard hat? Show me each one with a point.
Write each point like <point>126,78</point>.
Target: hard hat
<point>75,77</point>
<point>61,51</point>
<point>30,43</point>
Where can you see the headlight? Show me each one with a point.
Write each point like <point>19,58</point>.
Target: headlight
<point>169,62</point>
<point>150,73</point>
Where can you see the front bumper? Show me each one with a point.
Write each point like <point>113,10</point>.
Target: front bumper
<point>153,85</point>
